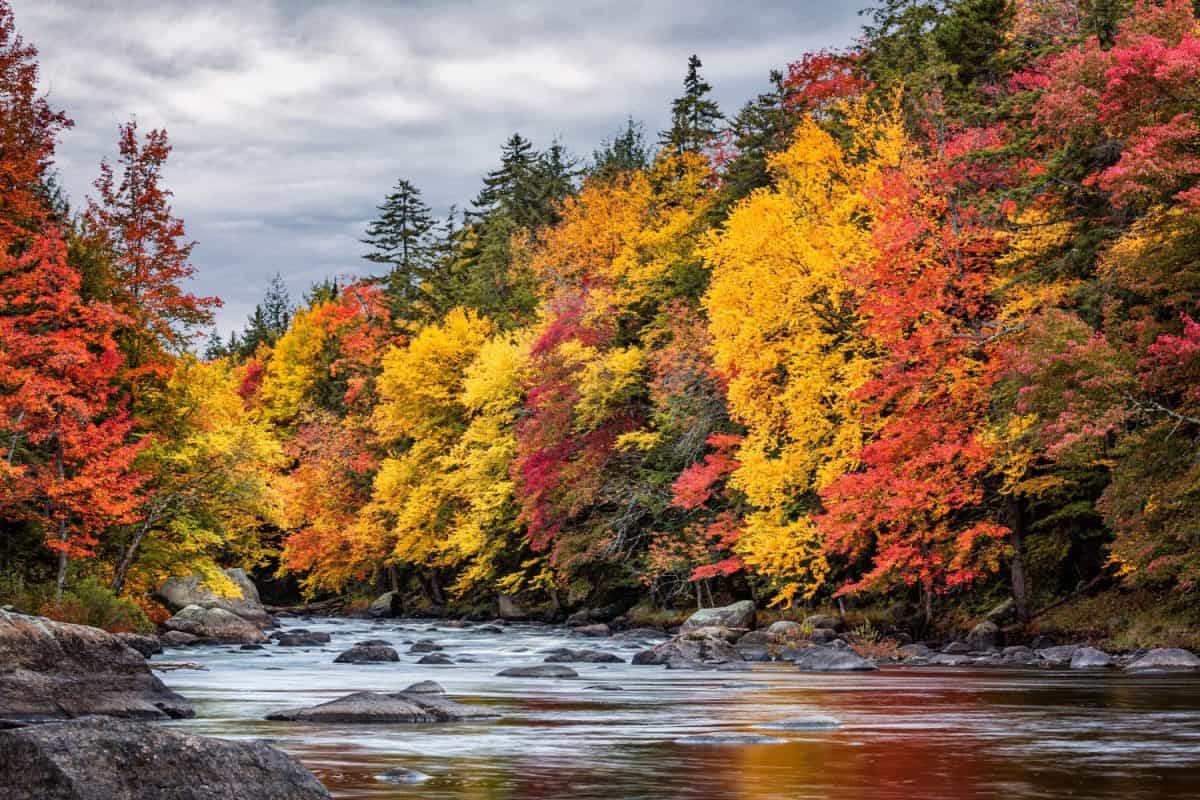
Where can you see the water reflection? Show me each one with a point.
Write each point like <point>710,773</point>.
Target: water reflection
<point>929,733</point>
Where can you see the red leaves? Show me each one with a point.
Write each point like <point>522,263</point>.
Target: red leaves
<point>696,484</point>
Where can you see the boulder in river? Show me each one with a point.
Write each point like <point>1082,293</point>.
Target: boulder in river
<point>564,655</point>
<point>1018,655</point>
<point>538,671</point>
<point>786,629</point>
<point>424,687</point>
<point>94,759</point>
<point>179,593</point>
<point>300,637</point>
<point>598,629</point>
<point>1058,655</point>
<point>55,670</point>
<point>1166,659</point>
<point>755,646</point>
<point>215,623</point>
<point>146,645</point>
<point>402,776</point>
<point>1090,658</point>
<point>831,659</point>
<point>914,651</point>
<point>698,649</point>
<point>372,654</point>
<point>378,708</point>
<point>178,639</point>
<point>386,605</point>
<point>739,615</point>
<point>425,646</point>
<point>437,659</point>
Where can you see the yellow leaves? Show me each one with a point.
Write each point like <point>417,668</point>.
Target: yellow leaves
<point>789,553</point>
<point>607,380</point>
<point>294,368</point>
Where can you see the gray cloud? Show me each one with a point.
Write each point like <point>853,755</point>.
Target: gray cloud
<point>290,120</point>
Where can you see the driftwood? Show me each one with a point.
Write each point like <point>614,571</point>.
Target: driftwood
<point>323,607</point>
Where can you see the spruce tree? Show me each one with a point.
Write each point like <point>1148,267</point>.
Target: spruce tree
<point>270,318</point>
<point>625,152</point>
<point>401,239</point>
<point>695,117</point>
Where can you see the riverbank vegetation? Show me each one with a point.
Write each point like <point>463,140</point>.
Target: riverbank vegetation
<point>915,328</point>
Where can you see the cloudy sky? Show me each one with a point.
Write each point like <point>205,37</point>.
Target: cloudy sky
<point>290,120</point>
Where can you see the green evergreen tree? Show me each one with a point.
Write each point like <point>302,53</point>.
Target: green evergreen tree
<point>625,152</point>
<point>401,239</point>
<point>695,117</point>
<point>761,128</point>
<point>270,318</point>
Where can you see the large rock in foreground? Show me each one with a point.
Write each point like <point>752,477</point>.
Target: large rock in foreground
<point>738,616</point>
<point>97,759</point>
<point>55,670</point>
<point>698,649</point>
<point>215,623</point>
<point>377,708</point>
<point>1166,659</point>
<point>179,593</point>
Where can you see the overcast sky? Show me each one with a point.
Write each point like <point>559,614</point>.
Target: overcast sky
<point>291,120</point>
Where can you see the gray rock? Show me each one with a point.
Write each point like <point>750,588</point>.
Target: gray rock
<point>386,605</point>
<point>1090,658</point>
<point>539,671</point>
<point>1018,655</point>
<point>599,629</point>
<point>786,629</point>
<point>425,646</point>
<point>824,636</point>
<point>55,670</point>
<point>179,593</point>
<point>755,646</point>
<point>302,638</point>
<point>914,651</point>
<point>367,655</point>
<point>510,609</point>
<point>435,659</point>
<point>983,636</point>
<point>146,645</point>
<point>817,621</point>
<point>694,649</point>
<point>424,687</point>
<point>950,660</point>
<point>215,623</point>
<point>96,759</point>
<point>1059,655</point>
<point>830,659</point>
<point>639,635</point>
<point>718,739</point>
<point>1165,659</point>
<point>376,708</point>
<point>957,649</point>
<point>177,639</point>
<point>739,615</point>
<point>373,643</point>
<point>565,655</point>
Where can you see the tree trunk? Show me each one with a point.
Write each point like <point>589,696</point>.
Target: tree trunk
<point>128,557</point>
<point>393,578</point>
<point>438,598</point>
<point>1020,580</point>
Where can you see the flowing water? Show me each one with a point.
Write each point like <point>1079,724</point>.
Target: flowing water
<point>927,733</point>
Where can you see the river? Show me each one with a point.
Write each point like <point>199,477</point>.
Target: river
<point>927,733</point>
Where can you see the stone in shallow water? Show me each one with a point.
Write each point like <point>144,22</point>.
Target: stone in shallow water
<point>815,722</point>
<point>716,739</point>
<point>565,655</point>
<point>374,707</point>
<point>605,687</point>
<point>367,655</point>
<point>401,775</point>
<point>830,659</point>
<point>539,671</point>
<point>1090,658</point>
<point>425,687</point>
<point>1166,659</point>
<point>435,659</point>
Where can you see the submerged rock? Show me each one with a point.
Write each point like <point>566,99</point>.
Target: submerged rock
<point>367,655</point>
<point>599,629</point>
<point>1059,655</point>
<point>424,687</point>
<point>831,659</point>
<point>739,615</point>
<point>55,670</point>
<point>565,655</point>
<point>178,639</point>
<point>377,708</point>
<point>215,623</point>
<point>437,659</point>
<point>1166,659</point>
<point>424,646</point>
<point>97,759</point>
<point>539,671</point>
<point>401,775</point>
<point>301,638</point>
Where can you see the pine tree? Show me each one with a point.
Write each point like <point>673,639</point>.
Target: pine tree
<point>625,152</point>
<point>761,128</point>
<point>216,348</point>
<point>695,117</point>
<point>270,319</point>
<point>402,239</point>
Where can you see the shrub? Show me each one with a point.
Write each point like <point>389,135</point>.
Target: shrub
<point>90,602</point>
